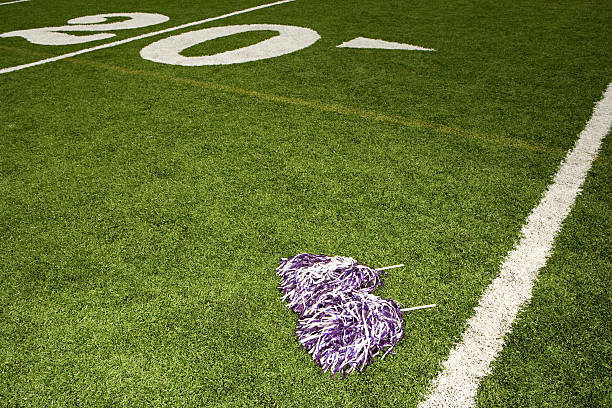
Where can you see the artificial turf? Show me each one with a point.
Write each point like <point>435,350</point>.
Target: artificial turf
<point>560,351</point>
<point>144,207</point>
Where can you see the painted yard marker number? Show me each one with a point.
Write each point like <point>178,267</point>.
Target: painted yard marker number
<point>290,39</point>
<point>57,36</point>
<point>168,50</point>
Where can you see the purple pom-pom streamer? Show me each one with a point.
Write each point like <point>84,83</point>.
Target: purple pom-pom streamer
<point>348,329</point>
<point>305,277</point>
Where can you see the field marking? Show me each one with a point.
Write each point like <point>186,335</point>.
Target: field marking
<point>13,2</point>
<point>362,42</point>
<point>139,37</point>
<point>470,360</point>
<point>290,39</point>
<point>58,35</point>
<point>490,138</point>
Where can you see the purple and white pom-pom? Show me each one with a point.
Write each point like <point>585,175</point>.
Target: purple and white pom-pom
<point>305,277</point>
<point>348,329</point>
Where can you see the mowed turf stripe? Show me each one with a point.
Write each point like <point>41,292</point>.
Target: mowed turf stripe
<point>138,37</point>
<point>470,360</point>
<point>334,108</point>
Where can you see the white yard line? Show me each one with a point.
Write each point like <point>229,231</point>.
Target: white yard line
<point>139,37</point>
<point>13,2</point>
<point>470,360</point>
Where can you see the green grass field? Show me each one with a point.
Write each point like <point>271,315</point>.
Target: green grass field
<point>145,206</point>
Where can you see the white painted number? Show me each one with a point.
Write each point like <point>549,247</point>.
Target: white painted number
<point>168,50</point>
<point>56,35</point>
<point>290,39</point>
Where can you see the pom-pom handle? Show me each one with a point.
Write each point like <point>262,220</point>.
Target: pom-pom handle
<point>418,308</point>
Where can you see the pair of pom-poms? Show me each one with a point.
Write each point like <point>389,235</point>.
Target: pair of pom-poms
<point>342,324</point>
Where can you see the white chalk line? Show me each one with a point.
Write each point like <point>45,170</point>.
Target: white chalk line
<point>139,37</point>
<point>12,2</point>
<point>470,360</point>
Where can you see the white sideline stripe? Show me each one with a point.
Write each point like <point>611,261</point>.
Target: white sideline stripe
<point>469,361</point>
<point>12,2</point>
<point>139,37</point>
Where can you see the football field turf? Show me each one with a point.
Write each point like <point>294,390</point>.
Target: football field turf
<point>145,205</point>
